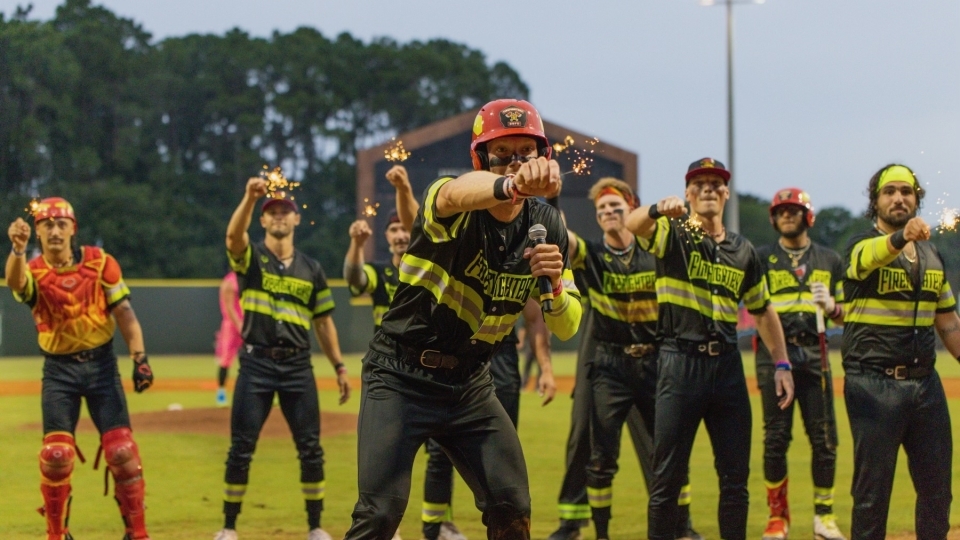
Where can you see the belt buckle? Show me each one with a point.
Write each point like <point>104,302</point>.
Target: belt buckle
<point>437,359</point>
<point>713,348</point>
<point>899,373</point>
<point>635,350</point>
<point>82,357</point>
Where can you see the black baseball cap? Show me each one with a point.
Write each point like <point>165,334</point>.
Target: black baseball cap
<point>392,218</point>
<point>708,166</point>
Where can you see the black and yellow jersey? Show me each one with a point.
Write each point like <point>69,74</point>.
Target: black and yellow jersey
<point>622,292</point>
<point>464,281</point>
<point>382,280</point>
<point>890,304</point>
<point>280,302</point>
<point>789,283</point>
<point>700,283</point>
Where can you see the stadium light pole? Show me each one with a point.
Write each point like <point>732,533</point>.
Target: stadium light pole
<point>732,214</point>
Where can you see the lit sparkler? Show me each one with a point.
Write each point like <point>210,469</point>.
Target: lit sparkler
<point>948,220</point>
<point>369,209</point>
<point>561,147</point>
<point>396,153</point>
<point>277,184</point>
<point>33,206</point>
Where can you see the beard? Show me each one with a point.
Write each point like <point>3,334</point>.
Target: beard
<point>894,221</point>
<point>279,234</point>
<point>795,233</point>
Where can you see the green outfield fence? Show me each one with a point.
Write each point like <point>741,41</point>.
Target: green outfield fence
<point>181,316</point>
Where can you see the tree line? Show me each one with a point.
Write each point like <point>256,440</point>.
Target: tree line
<point>152,141</point>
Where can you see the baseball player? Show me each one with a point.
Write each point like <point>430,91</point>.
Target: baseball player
<point>703,273</point>
<point>228,338</point>
<point>78,298</point>
<point>801,276</point>
<point>623,363</point>
<point>897,301</point>
<point>464,281</point>
<point>284,294</point>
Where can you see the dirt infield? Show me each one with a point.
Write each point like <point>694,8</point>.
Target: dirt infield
<point>216,421</point>
<point>564,385</point>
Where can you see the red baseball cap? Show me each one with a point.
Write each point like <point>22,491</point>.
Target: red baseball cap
<point>272,201</point>
<point>708,166</point>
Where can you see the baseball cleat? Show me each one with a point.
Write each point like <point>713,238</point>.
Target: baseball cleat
<point>318,534</point>
<point>449,531</point>
<point>689,534</point>
<point>825,528</point>
<point>226,534</point>
<point>222,397</point>
<point>776,529</point>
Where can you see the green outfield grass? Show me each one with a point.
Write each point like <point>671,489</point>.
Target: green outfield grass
<point>184,472</point>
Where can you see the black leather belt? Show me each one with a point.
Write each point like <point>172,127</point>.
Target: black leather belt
<point>428,358</point>
<point>804,340</point>
<point>274,353</point>
<point>84,356</point>
<point>899,373</point>
<point>635,350</point>
<point>706,348</point>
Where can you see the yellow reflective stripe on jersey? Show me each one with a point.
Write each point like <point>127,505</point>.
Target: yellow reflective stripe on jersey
<point>116,293</point>
<point>600,497</point>
<point>838,293</point>
<point>323,302</point>
<point>946,299</point>
<point>242,264</point>
<point>234,493</point>
<point>436,231</point>
<point>495,327</point>
<point>564,320</point>
<point>757,296</point>
<point>263,303</point>
<point>463,300</point>
<point>867,256</point>
<point>790,303</point>
<point>643,310</point>
<point>657,244</point>
<point>569,285</point>
<point>378,313</point>
<point>890,312</point>
<point>822,496</point>
<point>371,274</point>
<point>686,496</point>
<point>313,491</point>
<point>684,294</point>
<point>29,290</point>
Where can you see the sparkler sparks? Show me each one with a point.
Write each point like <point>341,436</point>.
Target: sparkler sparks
<point>396,153</point>
<point>369,209</point>
<point>561,147</point>
<point>948,220</point>
<point>33,207</point>
<point>277,184</point>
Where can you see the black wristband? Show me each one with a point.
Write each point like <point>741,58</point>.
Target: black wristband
<point>897,240</point>
<point>18,253</point>
<point>653,212</point>
<point>498,192</point>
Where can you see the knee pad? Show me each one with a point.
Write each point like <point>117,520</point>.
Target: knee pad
<point>122,455</point>
<point>57,457</point>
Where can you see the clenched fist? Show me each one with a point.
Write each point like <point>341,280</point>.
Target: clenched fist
<point>19,233</point>
<point>360,231</point>
<point>539,178</point>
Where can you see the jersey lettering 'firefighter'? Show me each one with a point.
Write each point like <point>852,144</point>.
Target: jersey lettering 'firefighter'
<point>619,283</point>
<point>300,289</point>
<point>715,274</point>
<point>890,304</point>
<point>499,286</point>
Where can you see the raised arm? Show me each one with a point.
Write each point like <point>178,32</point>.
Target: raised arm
<point>873,253</point>
<point>16,268</point>
<point>480,190</point>
<point>353,263</point>
<point>642,221</point>
<point>237,237</point>
<point>407,205</point>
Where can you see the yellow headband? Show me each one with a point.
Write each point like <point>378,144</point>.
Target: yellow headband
<point>896,173</point>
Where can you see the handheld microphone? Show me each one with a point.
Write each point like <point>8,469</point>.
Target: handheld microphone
<point>538,233</point>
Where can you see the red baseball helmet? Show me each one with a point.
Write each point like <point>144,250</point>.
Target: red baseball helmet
<point>52,208</point>
<point>795,197</point>
<point>503,118</point>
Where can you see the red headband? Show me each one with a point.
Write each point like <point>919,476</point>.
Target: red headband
<point>610,190</point>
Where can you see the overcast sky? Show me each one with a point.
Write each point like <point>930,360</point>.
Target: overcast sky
<point>827,91</point>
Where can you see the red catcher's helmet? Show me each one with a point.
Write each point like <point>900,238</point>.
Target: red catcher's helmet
<point>503,118</point>
<point>796,197</point>
<point>52,208</point>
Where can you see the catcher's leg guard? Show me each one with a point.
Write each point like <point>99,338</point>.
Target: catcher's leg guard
<point>123,460</point>
<point>56,467</point>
